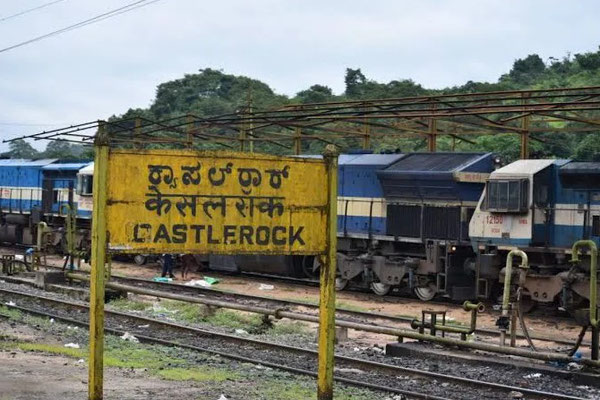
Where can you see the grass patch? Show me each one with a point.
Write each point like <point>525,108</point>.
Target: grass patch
<point>194,313</point>
<point>235,320</point>
<point>124,354</point>
<point>251,323</point>
<point>186,312</point>
<point>289,328</point>
<point>128,305</point>
<point>46,348</point>
<point>305,300</point>
<point>349,306</point>
<point>10,313</point>
<point>293,389</point>
<point>288,391</point>
<point>204,374</point>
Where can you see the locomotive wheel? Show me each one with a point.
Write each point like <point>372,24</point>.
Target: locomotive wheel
<point>426,293</point>
<point>527,304</point>
<point>341,284</point>
<point>310,266</point>
<point>140,259</point>
<point>380,289</point>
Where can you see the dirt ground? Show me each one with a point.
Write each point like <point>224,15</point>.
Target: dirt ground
<point>36,364</point>
<point>26,375</point>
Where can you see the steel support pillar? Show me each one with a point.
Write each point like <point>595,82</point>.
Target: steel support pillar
<point>327,284</point>
<point>97,276</point>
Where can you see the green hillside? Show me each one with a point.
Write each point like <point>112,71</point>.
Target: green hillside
<point>212,92</point>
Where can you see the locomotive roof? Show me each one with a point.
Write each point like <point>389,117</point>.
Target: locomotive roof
<point>368,159</point>
<point>64,167</point>
<point>88,169</point>
<point>581,167</point>
<point>22,162</point>
<point>581,175</point>
<point>435,162</point>
<point>360,158</point>
<point>523,168</point>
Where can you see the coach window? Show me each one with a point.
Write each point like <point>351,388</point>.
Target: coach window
<point>84,185</point>
<point>507,195</point>
<point>596,225</point>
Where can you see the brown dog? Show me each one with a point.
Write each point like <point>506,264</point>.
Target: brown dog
<point>187,263</point>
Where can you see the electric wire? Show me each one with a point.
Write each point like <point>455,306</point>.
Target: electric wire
<point>98,18</point>
<point>29,10</point>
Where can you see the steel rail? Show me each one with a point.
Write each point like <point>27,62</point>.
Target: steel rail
<point>396,332</point>
<point>369,365</point>
<point>341,310</point>
<point>293,303</point>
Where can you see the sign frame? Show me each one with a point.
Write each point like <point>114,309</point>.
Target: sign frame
<point>100,255</point>
<point>201,202</point>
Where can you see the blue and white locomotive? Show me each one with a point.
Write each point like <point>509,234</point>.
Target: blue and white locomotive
<point>428,223</point>
<point>403,221</point>
<point>541,207</point>
<point>40,190</point>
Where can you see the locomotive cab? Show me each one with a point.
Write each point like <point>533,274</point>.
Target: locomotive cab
<point>512,209</point>
<point>541,207</point>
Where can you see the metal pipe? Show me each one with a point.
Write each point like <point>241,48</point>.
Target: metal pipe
<point>593,289</point>
<point>503,320</point>
<point>280,313</point>
<point>474,308</point>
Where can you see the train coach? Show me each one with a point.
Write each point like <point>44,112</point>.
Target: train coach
<point>41,190</point>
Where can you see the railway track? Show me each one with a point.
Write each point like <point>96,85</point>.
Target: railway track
<point>341,312</point>
<point>372,374</point>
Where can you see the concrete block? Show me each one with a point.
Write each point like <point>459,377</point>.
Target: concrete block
<point>45,278</point>
<point>341,334</point>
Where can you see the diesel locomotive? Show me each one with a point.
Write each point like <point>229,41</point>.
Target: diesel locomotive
<point>433,224</point>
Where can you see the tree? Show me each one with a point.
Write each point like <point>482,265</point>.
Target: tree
<point>315,94</point>
<point>589,61</point>
<point>60,149</point>
<point>354,80</point>
<point>211,92</point>
<point>526,69</point>
<point>588,149</point>
<point>21,149</point>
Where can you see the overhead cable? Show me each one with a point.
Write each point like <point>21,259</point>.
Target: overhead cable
<point>98,18</point>
<point>29,10</point>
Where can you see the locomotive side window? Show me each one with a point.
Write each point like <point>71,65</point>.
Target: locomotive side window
<point>596,225</point>
<point>85,185</point>
<point>507,195</point>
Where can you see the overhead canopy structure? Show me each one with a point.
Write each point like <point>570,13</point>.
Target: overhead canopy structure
<point>526,113</point>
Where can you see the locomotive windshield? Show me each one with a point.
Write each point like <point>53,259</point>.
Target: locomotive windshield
<point>507,195</point>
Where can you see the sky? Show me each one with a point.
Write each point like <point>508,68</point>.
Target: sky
<point>106,68</point>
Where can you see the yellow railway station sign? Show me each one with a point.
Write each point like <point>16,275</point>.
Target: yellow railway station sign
<point>184,201</point>
<point>206,202</point>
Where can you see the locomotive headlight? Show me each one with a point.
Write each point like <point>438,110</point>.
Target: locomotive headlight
<point>453,248</point>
